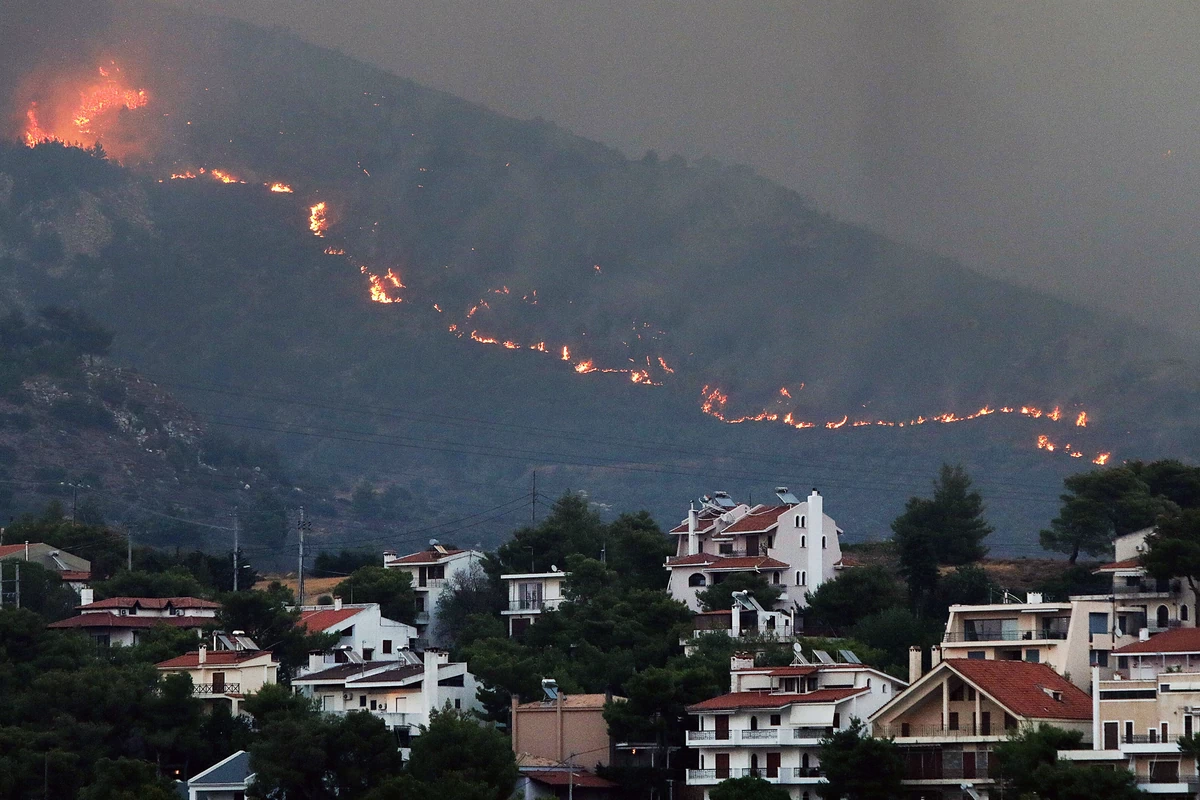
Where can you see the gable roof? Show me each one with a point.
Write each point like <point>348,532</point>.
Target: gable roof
<point>107,619</point>
<point>705,519</point>
<point>726,562</point>
<point>212,658</point>
<point>232,770</point>
<point>579,777</point>
<point>425,557</point>
<point>323,619</point>
<point>1175,640</point>
<point>1022,687</point>
<point>760,518</point>
<point>152,602</point>
<point>738,700</point>
<point>1129,563</point>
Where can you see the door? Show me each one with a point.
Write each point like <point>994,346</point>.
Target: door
<point>722,765</point>
<point>1111,733</point>
<point>218,683</point>
<point>985,723</point>
<point>772,765</point>
<point>752,546</point>
<point>723,729</point>
<point>423,576</point>
<point>968,764</point>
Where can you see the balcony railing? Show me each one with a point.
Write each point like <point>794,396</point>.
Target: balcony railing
<point>805,734</point>
<point>701,736</point>
<point>216,689</point>
<point>807,772</point>
<point>534,604</point>
<point>694,775</point>
<point>780,631</point>
<point>761,734</point>
<point>937,731</point>
<point>1005,636</point>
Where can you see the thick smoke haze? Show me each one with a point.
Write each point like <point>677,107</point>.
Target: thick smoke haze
<point>1056,145</point>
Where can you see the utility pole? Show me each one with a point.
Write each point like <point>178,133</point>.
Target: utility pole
<point>302,526</point>
<point>74,501</point>
<point>128,549</point>
<point>236,567</point>
<point>533,501</point>
<point>18,571</point>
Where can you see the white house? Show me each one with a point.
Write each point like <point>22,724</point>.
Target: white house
<point>793,543</point>
<point>1141,601</point>
<point>431,571</point>
<point>224,676</point>
<point>228,779</point>
<point>529,594</point>
<point>771,722</point>
<point>364,634</point>
<point>401,692</point>
<point>121,621</point>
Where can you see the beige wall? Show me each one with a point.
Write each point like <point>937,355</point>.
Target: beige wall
<point>583,731</point>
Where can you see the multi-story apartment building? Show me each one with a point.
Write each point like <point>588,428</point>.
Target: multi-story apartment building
<point>529,594</point>
<point>1070,636</point>
<point>121,621</point>
<point>747,618</point>
<point>1150,699</point>
<point>431,572</point>
<point>224,676</point>
<point>401,692</point>
<point>364,634</point>
<point>1142,602</point>
<point>792,542</point>
<point>947,722</point>
<point>771,723</point>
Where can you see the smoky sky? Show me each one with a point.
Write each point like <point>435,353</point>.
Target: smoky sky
<point>1053,144</point>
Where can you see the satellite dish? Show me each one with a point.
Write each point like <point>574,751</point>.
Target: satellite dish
<point>554,568</point>
<point>433,542</point>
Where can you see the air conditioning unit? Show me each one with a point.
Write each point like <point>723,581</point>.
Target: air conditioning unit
<point>383,706</point>
<point>347,695</point>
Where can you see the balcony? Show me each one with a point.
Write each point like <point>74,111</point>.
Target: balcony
<point>983,637</point>
<point>759,736</point>
<point>810,735</point>
<point>216,689</point>
<point>533,605</point>
<point>704,737</point>
<point>702,776</point>
<point>430,583</point>
<point>964,731</point>
<point>779,632</point>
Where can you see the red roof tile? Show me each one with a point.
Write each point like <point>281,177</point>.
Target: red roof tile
<point>580,778</point>
<point>75,575</point>
<point>759,519</point>
<point>1129,563</point>
<point>704,520</point>
<point>153,602</point>
<point>848,561</point>
<point>324,619</point>
<point>788,672</point>
<point>750,562</point>
<point>1020,685</point>
<point>695,559</point>
<point>219,658</point>
<point>9,549</point>
<point>1176,640</point>
<point>110,620</point>
<point>425,557</point>
<point>736,700</point>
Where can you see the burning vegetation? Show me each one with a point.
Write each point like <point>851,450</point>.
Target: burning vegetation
<point>88,116</point>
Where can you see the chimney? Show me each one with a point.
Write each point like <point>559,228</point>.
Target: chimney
<point>1143,634</point>
<point>935,656</point>
<point>816,529</point>
<point>739,661</point>
<point>316,660</point>
<point>693,541</point>
<point>1033,597</point>
<point>388,555</point>
<point>735,620</point>
<point>914,664</point>
<point>337,603</point>
<point>86,596</point>
<point>429,682</point>
<point>202,655</point>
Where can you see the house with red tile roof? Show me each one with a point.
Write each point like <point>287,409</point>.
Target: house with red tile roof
<point>121,621</point>
<point>364,634</point>
<point>75,571</point>
<point>224,676</point>
<point>431,571</point>
<point>792,543</point>
<point>949,720</point>
<point>771,722</point>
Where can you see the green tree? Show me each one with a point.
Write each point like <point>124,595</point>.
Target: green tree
<point>266,520</point>
<point>894,631</point>
<point>859,767</point>
<point>918,558</point>
<point>1171,480</point>
<point>1019,757</point>
<point>719,596</point>
<point>952,520</point>
<point>1173,548</point>
<point>855,593</point>
<point>636,548</point>
<point>175,582</point>
<point>43,591</point>
<point>748,788</point>
<point>1099,505</point>
<point>391,588</point>
<point>127,779</point>
<point>457,748</point>
<point>571,527</point>
<point>470,596</point>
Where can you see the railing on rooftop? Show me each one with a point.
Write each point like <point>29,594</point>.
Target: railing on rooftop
<point>209,689</point>
<point>965,729</point>
<point>1004,636</point>
<point>761,734</point>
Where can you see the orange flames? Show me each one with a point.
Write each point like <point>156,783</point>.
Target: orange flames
<point>317,221</point>
<point>224,177</point>
<point>279,187</point>
<point>378,288</point>
<point>1102,459</point>
<point>89,117</point>
<point>1082,420</point>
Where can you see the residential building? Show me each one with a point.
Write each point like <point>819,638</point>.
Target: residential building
<point>1150,699</point>
<point>543,778</point>
<point>364,634</point>
<point>401,692</point>
<point>529,594</point>
<point>121,621</point>
<point>1070,637</point>
<point>1141,601</point>
<point>431,571</point>
<point>567,728</point>
<point>224,676</point>
<point>228,779</point>
<point>747,618</point>
<point>771,722</point>
<point>793,543</point>
<point>948,721</point>
<point>75,571</point>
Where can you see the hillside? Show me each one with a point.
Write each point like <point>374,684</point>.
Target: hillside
<point>706,279</point>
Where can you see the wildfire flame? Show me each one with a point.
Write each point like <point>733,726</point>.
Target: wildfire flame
<point>96,103</point>
<point>1102,459</point>
<point>317,222</point>
<point>279,187</point>
<point>225,177</point>
<point>1082,420</point>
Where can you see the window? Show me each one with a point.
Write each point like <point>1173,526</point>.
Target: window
<point>1097,623</point>
<point>1033,656</point>
<point>362,701</point>
<point>776,720</point>
<point>1183,613</point>
<point>1010,722</point>
<point>868,683</point>
<point>1128,731</point>
<point>368,653</point>
<point>953,720</point>
<point>753,723</point>
<point>837,720</point>
<point>904,730</point>
<point>726,549</point>
<point>976,655</point>
<point>1165,730</point>
<point>804,541</point>
<point>1164,771</point>
<point>798,581</point>
<point>801,522</point>
<point>697,580</point>
<point>1099,658</point>
<point>374,705</point>
<point>971,694</point>
<point>1152,735</point>
<point>885,688</point>
<point>420,602</point>
<point>775,578</point>
<point>956,694</point>
<point>529,596</point>
<point>803,578</point>
<point>823,542</point>
<point>771,543</point>
<point>1187,724</point>
<point>457,703</point>
<point>387,645</point>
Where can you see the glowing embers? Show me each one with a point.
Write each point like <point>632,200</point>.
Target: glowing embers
<point>90,117</point>
<point>383,288</point>
<point>318,222</point>
<point>281,188</point>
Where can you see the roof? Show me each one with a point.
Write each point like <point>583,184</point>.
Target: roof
<point>323,620</point>
<point>737,700</point>
<point>153,602</point>
<point>398,673</point>
<point>726,562</point>
<point>1175,640</point>
<point>576,701</point>
<point>793,671</point>
<point>426,557</point>
<point>217,658</point>
<point>107,619</point>
<point>234,769</point>
<point>759,519</point>
<point>339,672</point>
<point>580,777</point>
<point>1020,687</point>
<point>704,521</point>
<point>1129,563</point>
<point>848,561</point>
<point>9,549</point>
